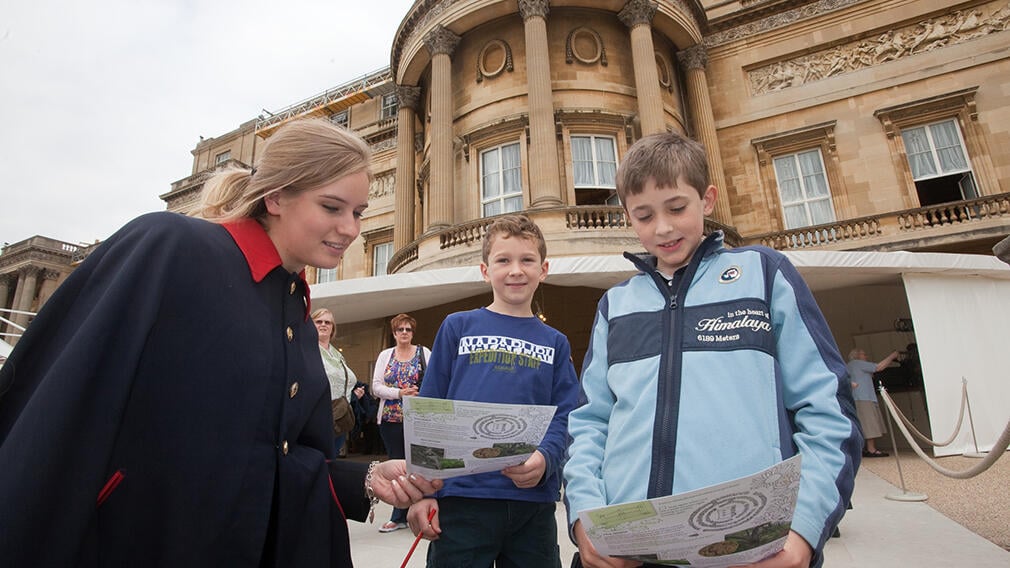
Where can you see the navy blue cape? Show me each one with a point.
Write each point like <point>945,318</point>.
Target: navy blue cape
<point>158,413</point>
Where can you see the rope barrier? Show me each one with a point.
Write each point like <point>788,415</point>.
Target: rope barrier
<point>957,428</point>
<point>997,451</point>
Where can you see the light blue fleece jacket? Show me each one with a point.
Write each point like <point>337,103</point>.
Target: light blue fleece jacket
<point>703,383</point>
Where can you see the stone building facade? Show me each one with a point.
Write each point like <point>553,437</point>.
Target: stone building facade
<point>830,125</point>
<point>30,271</point>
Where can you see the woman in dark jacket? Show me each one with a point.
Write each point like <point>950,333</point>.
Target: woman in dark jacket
<point>168,406</point>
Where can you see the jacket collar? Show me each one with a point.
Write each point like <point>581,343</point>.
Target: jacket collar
<point>259,251</point>
<point>647,263</point>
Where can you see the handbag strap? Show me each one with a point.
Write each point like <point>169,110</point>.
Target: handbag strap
<point>344,365</point>
<point>420,355</point>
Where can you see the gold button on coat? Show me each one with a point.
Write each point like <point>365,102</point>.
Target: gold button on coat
<point>290,333</point>
<point>284,447</point>
<point>293,286</point>
<point>294,390</point>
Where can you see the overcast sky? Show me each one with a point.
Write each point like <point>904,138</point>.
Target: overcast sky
<point>102,101</point>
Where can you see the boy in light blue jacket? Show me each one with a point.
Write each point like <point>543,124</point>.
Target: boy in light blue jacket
<point>708,365</point>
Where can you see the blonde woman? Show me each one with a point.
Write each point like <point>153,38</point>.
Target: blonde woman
<point>342,378</point>
<point>168,406</point>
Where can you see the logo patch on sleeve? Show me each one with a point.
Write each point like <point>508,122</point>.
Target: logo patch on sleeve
<point>731,274</point>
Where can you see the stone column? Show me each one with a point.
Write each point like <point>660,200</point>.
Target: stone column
<point>545,178</point>
<point>695,59</point>
<point>403,196</point>
<point>25,294</point>
<point>637,15</point>
<point>5,292</point>
<point>49,279</point>
<point>441,43</point>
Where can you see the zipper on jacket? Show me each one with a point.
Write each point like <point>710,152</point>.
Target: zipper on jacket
<point>664,437</point>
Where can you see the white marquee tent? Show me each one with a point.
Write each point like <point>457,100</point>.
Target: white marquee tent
<point>959,304</point>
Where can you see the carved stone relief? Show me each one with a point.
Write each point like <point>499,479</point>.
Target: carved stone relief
<point>585,45</point>
<point>494,58</point>
<point>665,72</point>
<point>777,21</point>
<point>926,35</point>
<point>382,185</point>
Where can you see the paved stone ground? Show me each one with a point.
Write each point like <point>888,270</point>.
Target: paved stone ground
<point>981,503</point>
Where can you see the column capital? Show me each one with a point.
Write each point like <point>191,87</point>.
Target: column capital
<point>50,274</point>
<point>533,8</point>
<point>441,40</point>
<point>637,12</point>
<point>29,270</point>
<point>408,96</point>
<point>694,57</point>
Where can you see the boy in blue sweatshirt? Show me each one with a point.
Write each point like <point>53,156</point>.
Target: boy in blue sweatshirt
<point>504,354</point>
<point>708,365</point>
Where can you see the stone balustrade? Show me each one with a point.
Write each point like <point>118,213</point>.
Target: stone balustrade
<point>916,225</point>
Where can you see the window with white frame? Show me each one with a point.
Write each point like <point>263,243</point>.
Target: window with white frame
<point>594,167</point>
<point>342,118</point>
<point>501,180</point>
<point>222,157</point>
<point>939,163</point>
<point>326,275</point>
<point>390,105</point>
<point>381,254</point>
<point>803,188</point>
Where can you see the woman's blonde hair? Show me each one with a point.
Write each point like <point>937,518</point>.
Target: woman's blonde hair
<point>318,312</point>
<point>303,154</point>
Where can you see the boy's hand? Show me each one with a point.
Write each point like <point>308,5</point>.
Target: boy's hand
<point>591,558</point>
<point>529,473</point>
<point>796,553</point>
<point>417,519</point>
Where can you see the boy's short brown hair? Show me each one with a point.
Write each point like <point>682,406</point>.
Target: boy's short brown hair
<point>513,226</point>
<point>665,157</point>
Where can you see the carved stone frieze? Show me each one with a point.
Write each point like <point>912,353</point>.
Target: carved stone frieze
<point>694,57</point>
<point>386,143</point>
<point>926,35</point>
<point>408,96</point>
<point>441,40</point>
<point>637,12</point>
<point>382,185</point>
<point>778,20</point>
<point>534,8</point>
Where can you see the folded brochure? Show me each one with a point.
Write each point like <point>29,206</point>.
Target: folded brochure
<point>737,522</point>
<point>448,438</point>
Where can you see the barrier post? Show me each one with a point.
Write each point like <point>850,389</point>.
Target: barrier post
<point>971,424</point>
<point>905,495</point>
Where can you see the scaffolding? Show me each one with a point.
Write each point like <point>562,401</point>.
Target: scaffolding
<point>368,86</point>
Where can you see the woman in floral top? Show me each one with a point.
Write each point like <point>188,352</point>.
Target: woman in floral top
<point>398,372</point>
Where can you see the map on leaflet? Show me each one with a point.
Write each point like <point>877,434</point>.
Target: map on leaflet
<point>738,522</point>
<point>448,438</point>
